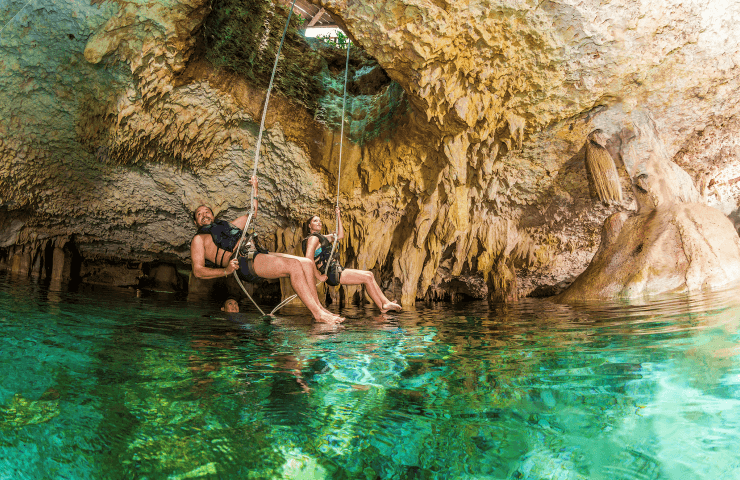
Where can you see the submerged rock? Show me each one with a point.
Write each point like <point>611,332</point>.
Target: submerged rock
<point>20,411</point>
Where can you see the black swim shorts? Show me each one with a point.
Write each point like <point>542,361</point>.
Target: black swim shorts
<point>246,270</point>
<point>334,274</point>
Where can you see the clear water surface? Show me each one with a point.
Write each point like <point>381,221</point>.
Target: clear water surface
<point>111,385</point>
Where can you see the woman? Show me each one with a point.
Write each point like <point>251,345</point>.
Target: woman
<point>317,247</point>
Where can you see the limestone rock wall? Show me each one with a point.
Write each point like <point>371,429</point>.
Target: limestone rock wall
<point>511,82</point>
<point>677,247</point>
<point>470,163</point>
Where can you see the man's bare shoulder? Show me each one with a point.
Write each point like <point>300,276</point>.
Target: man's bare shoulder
<point>198,238</point>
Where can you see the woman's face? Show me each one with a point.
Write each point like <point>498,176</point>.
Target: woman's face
<point>231,306</point>
<point>315,224</point>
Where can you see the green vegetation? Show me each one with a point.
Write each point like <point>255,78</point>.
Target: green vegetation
<point>383,116</point>
<point>244,36</point>
<point>340,41</point>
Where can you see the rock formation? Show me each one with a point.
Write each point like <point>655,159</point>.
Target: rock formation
<point>476,160</point>
<point>679,247</point>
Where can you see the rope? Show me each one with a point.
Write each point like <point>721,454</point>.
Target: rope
<point>247,293</point>
<point>287,301</point>
<point>19,11</point>
<point>339,173</point>
<point>262,122</point>
<point>257,153</point>
<point>339,168</point>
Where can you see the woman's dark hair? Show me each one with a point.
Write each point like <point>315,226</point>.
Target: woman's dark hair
<point>307,226</point>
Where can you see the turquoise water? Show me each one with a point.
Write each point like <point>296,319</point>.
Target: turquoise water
<point>111,385</point>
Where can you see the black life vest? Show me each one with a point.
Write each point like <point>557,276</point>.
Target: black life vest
<point>224,235</point>
<point>322,252</point>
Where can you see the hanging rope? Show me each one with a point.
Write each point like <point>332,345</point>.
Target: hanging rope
<point>287,301</point>
<point>19,12</point>
<point>339,173</point>
<point>339,167</point>
<point>247,293</point>
<point>257,154</point>
<point>262,121</point>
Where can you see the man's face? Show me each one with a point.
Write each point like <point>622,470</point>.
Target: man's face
<point>203,216</point>
<point>231,306</point>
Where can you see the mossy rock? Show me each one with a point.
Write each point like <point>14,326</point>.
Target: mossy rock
<point>244,37</point>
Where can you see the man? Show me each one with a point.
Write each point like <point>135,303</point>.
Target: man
<point>211,254</point>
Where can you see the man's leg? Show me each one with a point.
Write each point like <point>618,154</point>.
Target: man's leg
<point>308,271</point>
<point>350,276</point>
<point>306,264</point>
<point>274,266</point>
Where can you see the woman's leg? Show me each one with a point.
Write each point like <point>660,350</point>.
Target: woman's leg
<point>274,266</point>
<point>350,276</point>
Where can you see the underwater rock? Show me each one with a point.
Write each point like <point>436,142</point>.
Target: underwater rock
<point>20,411</point>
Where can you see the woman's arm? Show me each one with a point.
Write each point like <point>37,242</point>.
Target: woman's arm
<point>311,245</point>
<point>340,228</point>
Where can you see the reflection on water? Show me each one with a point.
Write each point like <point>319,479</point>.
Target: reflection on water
<point>111,385</point>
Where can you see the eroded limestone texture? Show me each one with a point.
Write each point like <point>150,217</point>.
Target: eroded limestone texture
<point>671,244</point>
<point>466,145</point>
<point>679,247</point>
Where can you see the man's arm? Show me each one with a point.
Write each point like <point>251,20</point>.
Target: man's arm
<point>197,255</point>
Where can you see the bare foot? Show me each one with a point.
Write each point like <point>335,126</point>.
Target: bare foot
<point>320,329</point>
<point>328,312</point>
<point>329,318</point>
<point>390,306</point>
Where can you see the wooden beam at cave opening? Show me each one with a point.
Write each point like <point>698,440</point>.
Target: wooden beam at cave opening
<point>321,18</point>
<point>316,17</point>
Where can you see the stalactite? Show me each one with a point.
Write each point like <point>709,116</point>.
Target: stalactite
<point>502,282</point>
<point>21,261</point>
<point>38,260</point>
<point>602,171</point>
